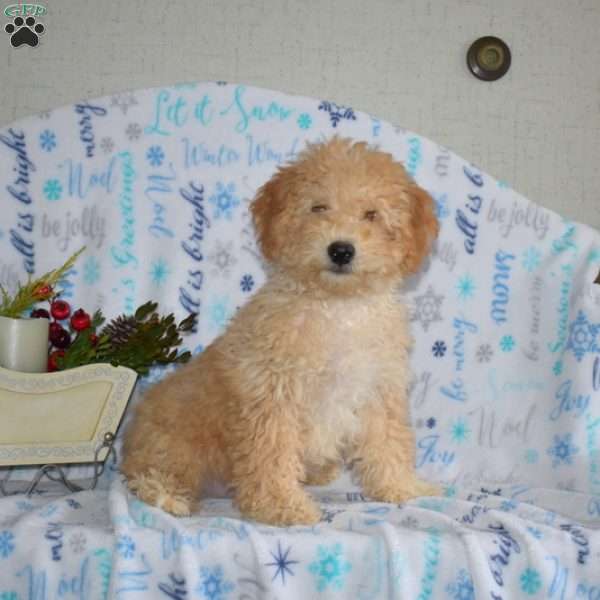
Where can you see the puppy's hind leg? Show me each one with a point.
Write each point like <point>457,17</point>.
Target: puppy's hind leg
<point>164,491</point>
<point>164,471</point>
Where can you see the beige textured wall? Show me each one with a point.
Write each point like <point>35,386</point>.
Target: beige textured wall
<point>401,60</point>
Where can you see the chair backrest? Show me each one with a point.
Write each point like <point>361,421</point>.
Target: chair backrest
<point>156,184</point>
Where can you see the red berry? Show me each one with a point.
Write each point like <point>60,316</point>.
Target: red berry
<point>52,360</point>
<point>40,313</point>
<point>59,336</point>
<point>80,320</point>
<point>43,292</point>
<point>60,309</point>
<point>93,339</point>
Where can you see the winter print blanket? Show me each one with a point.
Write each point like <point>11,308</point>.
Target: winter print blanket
<point>506,392</point>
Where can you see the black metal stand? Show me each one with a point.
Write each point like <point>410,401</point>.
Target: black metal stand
<point>55,472</point>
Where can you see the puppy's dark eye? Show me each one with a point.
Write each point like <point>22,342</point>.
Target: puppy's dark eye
<point>370,215</point>
<point>317,208</point>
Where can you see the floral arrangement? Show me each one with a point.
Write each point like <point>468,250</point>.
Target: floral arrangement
<point>137,341</point>
<point>76,338</point>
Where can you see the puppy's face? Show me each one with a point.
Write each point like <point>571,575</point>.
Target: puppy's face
<point>344,217</point>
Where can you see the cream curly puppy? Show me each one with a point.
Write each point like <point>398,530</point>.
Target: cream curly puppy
<point>313,370</point>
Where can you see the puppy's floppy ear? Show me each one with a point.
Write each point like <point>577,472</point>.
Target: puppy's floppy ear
<point>263,209</point>
<point>424,228</point>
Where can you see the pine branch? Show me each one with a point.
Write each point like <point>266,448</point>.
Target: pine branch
<point>151,342</point>
<point>34,291</point>
<point>139,341</point>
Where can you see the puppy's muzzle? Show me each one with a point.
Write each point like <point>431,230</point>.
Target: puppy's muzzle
<point>341,253</point>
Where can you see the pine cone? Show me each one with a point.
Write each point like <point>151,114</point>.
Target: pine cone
<point>119,330</point>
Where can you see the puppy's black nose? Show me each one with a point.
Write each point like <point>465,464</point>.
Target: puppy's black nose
<point>341,253</point>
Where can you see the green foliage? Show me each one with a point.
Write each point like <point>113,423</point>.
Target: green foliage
<point>83,350</point>
<point>33,291</point>
<point>138,342</point>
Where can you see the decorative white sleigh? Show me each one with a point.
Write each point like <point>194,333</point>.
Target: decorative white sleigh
<point>61,417</point>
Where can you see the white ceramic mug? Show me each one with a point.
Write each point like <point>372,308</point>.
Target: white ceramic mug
<point>24,344</point>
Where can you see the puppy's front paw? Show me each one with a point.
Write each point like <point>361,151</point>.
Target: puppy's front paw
<point>322,475</point>
<point>424,488</point>
<point>407,490</point>
<point>300,510</point>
